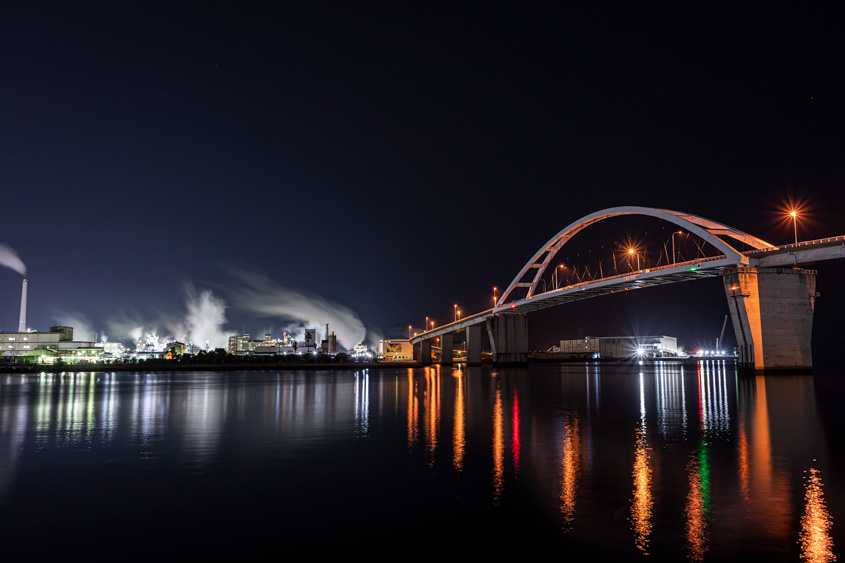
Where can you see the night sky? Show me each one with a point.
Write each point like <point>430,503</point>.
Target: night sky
<point>386,161</point>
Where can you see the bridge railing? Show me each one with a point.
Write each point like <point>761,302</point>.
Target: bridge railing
<point>803,243</point>
<point>635,273</point>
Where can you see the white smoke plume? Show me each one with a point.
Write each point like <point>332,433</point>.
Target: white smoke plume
<point>374,335</point>
<point>10,259</point>
<point>202,324</point>
<point>263,296</point>
<point>126,328</point>
<point>205,319</point>
<point>83,329</point>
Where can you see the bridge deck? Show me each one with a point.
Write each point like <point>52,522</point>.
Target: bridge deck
<point>788,255</point>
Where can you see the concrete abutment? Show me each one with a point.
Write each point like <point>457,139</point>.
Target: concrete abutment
<point>772,314</point>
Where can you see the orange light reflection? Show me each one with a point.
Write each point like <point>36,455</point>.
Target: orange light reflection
<point>744,468</point>
<point>413,410</point>
<point>459,432</point>
<point>696,526</point>
<point>571,464</point>
<point>432,418</point>
<point>498,447</point>
<point>816,542</point>
<point>642,503</point>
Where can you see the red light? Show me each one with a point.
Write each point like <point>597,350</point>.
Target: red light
<point>513,305</point>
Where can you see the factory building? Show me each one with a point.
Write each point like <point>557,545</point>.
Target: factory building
<point>49,347</point>
<point>396,350</point>
<point>620,347</point>
<point>175,349</point>
<point>329,345</point>
<point>240,344</point>
<point>243,345</point>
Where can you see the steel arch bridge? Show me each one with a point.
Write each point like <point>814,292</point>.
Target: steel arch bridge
<point>710,231</point>
<point>770,298</point>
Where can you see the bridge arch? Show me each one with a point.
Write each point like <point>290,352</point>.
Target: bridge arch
<point>708,230</point>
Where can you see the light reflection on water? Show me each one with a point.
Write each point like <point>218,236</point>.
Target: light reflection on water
<point>697,508</point>
<point>816,543</point>
<point>643,501</point>
<point>674,461</point>
<point>571,468</point>
<point>459,432</point>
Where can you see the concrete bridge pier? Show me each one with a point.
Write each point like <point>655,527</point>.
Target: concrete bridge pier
<point>772,314</point>
<point>422,352</point>
<point>447,350</point>
<point>473,345</point>
<point>509,338</point>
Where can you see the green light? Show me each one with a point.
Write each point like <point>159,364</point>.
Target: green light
<point>704,472</point>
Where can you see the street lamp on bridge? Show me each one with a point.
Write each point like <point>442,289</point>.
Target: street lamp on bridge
<point>631,252</point>
<point>673,244</point>
<point>456,312</point>
<point>794,214</point>
<point>495,298</point>
<point>562,267</point>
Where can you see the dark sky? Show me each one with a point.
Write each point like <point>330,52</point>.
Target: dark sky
<point>393,158</point>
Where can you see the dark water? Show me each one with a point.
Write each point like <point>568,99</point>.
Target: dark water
<point>653,462</point>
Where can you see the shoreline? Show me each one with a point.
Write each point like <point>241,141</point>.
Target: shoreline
<point>269,366</point>
<point>158,367</point>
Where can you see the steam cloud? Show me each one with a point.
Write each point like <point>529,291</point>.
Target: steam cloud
<point>10,259</point>
<point>263,296</point>
<point>82,327</point>
<point>202,324</point>
<point>205,319</point>
<point>124,328</point>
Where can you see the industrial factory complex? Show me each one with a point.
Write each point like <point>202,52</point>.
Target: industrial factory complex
<point>59,346</point>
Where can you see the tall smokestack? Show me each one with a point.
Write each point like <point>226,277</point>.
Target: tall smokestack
<point>22,324</point>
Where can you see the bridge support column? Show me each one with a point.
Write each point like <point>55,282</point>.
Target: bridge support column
<point>511,340</point>
<point>447,350</point>
<point>473,345</point>
<point>772,314</point>
<point>425,352</point>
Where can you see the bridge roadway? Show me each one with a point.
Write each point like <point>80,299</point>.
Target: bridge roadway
<point>804,253</point>
<point>778,258</point>
<point>788,255</point>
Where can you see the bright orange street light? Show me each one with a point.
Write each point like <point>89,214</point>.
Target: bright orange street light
<point>456,312</point>
<point>409,332</point>
<point>631,252</point>
<point>494,296</point>
<point>794,214</point>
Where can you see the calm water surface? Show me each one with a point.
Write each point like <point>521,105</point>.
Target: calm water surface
<point>647,463</point>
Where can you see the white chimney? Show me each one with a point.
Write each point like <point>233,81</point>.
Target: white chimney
<point>22,324</point>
